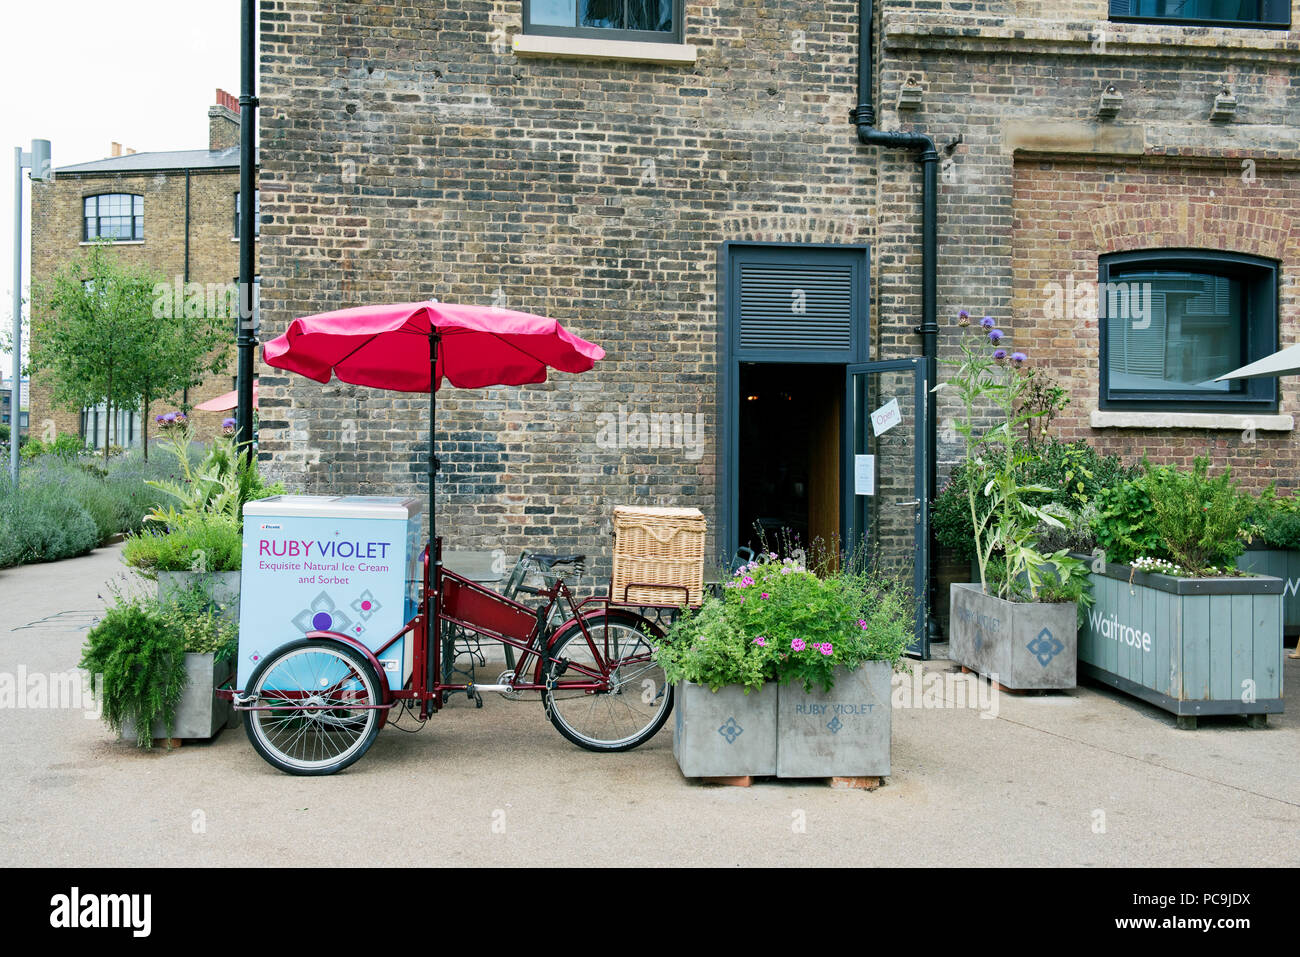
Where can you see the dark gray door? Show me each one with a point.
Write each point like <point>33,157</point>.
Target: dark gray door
<point>886,513</point>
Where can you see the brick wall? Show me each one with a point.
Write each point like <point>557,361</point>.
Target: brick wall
<point>409,153</point>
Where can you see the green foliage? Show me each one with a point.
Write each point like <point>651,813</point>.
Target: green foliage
<point>777,621</point>
<point>1005,508</point>
<point>203,629</point>
<point>65,445</point>
<point>221,483</point>
<point>197,541</point>
<point>1185,517</point>
<point>1275,519</point>
<point>43,523</point>
<point>142,660</point>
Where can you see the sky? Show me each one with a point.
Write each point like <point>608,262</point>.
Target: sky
<point>86,73</point>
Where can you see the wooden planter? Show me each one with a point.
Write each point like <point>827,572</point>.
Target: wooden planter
<point>1023,646</point>
<point>784,731</point>
<point>1283,563</point>
<point>200,713</point>
<point>1193,646</point>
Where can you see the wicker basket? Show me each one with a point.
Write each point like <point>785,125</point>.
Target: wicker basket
<point>658,547</point>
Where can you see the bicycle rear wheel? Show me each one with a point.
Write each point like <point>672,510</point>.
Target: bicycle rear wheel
<point>316,707</point>
<point>636,700</point>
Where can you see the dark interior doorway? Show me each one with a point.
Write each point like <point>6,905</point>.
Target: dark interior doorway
<point>789,456</point>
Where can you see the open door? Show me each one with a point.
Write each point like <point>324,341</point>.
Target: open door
<point>886,514</point>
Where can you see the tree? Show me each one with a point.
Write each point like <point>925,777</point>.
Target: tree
<point>101,338</point>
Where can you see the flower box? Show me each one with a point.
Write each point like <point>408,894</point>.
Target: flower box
<point>1193,646</point>
<point>1023,646</point>
<point>200,713</point>
<point>785,731</point>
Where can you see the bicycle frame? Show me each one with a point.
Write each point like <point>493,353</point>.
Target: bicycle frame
<point>453,599</point>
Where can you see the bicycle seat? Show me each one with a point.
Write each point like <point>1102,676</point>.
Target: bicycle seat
<point>548,559</point>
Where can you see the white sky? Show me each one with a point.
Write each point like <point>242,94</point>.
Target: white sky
<point>85,73</point>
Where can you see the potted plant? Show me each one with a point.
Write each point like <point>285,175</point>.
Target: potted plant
<point>787,673</point>
<point>1018,623</point>
<point>160,663</point>
<point>1175,623</point>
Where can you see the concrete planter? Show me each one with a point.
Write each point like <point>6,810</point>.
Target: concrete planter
<point>844,732</point>
<point>1022,645</point>
<point>1193,646</point>
<point>784,731</point>
<point>222,588</point>
<point>1283,563</point>
<point>200,714</point>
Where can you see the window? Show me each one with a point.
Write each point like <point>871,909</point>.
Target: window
<point>114,216</point>
<point>1171,321</point>
<point>1267,14</point>
<point>654,20</point>
<point>257,212</point>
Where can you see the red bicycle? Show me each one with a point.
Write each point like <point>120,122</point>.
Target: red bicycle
<point>315,705</point>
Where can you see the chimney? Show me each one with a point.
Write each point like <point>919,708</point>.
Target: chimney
<point>117,149</point>
<point>223,122</point>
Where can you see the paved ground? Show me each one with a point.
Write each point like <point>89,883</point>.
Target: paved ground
<point>1086,778</point>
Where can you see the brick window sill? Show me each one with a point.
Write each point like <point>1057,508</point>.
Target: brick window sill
<point>116,242</point>
<point>584,48</point>
<point>1233,422</point>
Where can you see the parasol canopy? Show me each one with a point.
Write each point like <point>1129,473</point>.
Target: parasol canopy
<point>1285,362</point>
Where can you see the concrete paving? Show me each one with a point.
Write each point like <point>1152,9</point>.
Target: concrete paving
<point>1088,777</point>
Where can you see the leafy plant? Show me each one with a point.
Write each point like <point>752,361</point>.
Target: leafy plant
<point>203,628</point>
<point>197,541</point>
<point>221,483</point>
<point>1199,518</point>
<point>1004,508</point>
<point>141,657</point>
<point>778,621</point>
<point>1125,523</point>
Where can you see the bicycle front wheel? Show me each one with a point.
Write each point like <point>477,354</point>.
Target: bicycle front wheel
<point>315,707</point>
<point>633,699</point>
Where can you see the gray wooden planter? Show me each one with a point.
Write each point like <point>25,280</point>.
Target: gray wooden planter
<point>222,588</point>
<point>200,713</point>
<point>1283,563</point>
<point>784,731</point>
<point>1021,645</point>
<point>844,732</point>
<point>1193,646</point>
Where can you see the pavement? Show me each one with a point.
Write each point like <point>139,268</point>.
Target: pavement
<point>1088,777</point>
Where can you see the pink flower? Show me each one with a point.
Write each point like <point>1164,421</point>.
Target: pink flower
<point>798,644</point>
<point>862,623</point>
<point>785,571</point>
<point>826,649</point>
<point>746,581</point>
<point>765,594</point>
<point>761,641</point>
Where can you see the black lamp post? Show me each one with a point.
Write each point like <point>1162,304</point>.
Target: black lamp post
<point>246,339</point>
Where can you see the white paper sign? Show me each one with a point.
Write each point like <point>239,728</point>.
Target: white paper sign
<point>886,417</point>
<point>864,475</point>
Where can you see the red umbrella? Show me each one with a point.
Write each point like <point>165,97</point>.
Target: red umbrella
<point>225,402</point>
<point>398,346</point>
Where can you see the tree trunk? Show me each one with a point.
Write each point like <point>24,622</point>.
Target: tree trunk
<point>108,417</point>
<point>144,424</point>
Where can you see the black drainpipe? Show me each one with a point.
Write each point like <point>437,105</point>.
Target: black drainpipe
<point>865,119</point>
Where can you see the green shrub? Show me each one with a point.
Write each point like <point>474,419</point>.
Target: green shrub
<point>1125,523</point>
<point>43,523</point>
<point>778,621</point>
<point>202,627</point>
<point>141,656</point>
<point>197,542</point>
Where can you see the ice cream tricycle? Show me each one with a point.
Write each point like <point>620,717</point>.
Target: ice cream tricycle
<point>317,695</point>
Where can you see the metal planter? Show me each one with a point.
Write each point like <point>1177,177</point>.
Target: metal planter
<point>782,730</point>
<point>200,713</point>
<point>1193,646</point>
<point>1023,646</point>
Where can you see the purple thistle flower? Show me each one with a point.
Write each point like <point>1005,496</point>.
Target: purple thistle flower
<point>999,355</point>
<point>963,318</point>
<point>1018,358</point>
<point>227,423</point>
<point>987,322</point>
<point>996,335</point>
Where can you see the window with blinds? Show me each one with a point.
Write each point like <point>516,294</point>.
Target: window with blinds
<point>1266,14</point>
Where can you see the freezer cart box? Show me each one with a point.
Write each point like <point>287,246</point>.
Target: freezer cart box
<point>349,564</point>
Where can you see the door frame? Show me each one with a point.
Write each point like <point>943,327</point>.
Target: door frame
<point>730,356</point>
<point>849,524</point>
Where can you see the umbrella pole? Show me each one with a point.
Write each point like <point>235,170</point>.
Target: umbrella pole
<point>433,602</point>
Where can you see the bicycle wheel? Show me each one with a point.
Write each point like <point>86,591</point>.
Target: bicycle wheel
<point>321,699</point>
<point>636,702</point>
